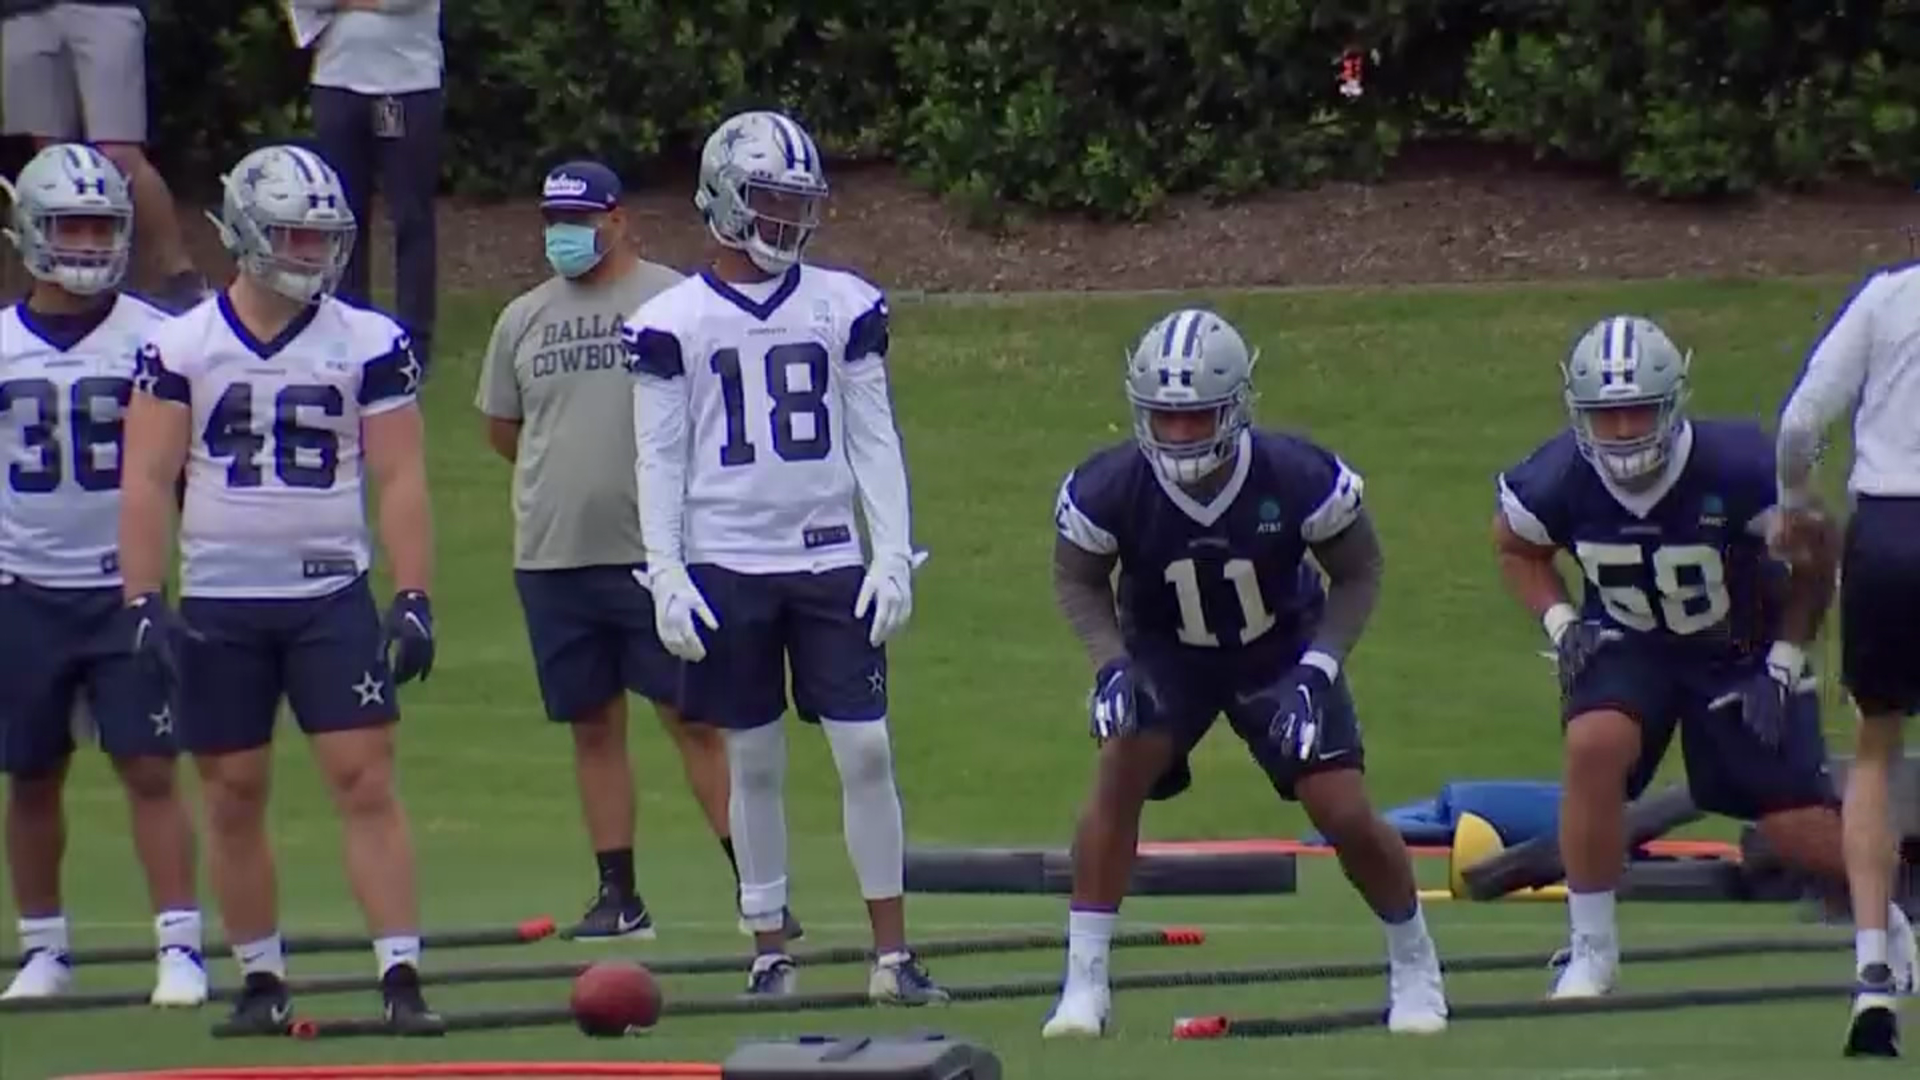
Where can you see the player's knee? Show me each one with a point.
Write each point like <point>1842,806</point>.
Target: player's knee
<point>35,794</point>
<point>1601,746</point>
<point>757,759</point>
<point>365,790</point>
<point>235,805</point>
<point>862,752</point>
<point>600,731</point>
<point>148,780</point>
<point>1880,737</point>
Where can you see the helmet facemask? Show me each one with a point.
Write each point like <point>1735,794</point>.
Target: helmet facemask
<point>769,220</point>
<point>1630,454</point>
<point>1190,460</point>
<point>83,252</point>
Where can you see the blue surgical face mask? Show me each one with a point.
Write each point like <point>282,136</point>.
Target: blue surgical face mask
<point>571,249</point>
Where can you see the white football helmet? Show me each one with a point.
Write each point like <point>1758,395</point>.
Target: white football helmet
<point>762,184</point>
<point>274,196</point>
<point>71,180</point>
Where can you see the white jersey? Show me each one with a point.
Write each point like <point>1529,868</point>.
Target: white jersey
<point>62,404</point>
<point>771,400</point>
<point>1868,359</point>
<point>274,506</point>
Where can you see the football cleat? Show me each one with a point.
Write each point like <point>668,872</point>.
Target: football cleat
<point>180,980</point>
<point>901,980</point>
<point>43,974</point>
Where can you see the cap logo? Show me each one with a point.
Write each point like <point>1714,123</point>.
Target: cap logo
<point>563,186</point>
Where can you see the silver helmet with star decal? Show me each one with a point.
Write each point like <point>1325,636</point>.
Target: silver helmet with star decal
<point>71,217</point>
<point>1625,383</point>
<point>762,185</point>
<point>1190,381</point>
<point>286,222</point>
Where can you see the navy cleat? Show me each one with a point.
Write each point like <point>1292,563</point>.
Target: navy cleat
<point>615,915</point>
<point>404,1007</point>
<point>1874,1030</point>
<point>898,979</point>
<point>773,975</point>
<point>263,1008</point>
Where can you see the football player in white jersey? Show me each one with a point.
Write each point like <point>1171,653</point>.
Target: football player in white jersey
<point>277,398</point>
<point>66,370</point>
<point>762,414</point>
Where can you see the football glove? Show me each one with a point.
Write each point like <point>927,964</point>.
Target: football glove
<point>1576,642</point>
<point>677,604</point>
<point>1766,696</point>
<point>154,631</point>
<point>887,592</point>
<point>1300,704</point>
<point>406,640</point>
<point>1110,707</point>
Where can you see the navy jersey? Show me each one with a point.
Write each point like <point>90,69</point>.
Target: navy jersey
<point>1225,574</point>
<point>1683,563</point>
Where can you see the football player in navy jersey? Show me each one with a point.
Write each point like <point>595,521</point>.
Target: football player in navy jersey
<point>1219,610</point>
<point>1687,622</point>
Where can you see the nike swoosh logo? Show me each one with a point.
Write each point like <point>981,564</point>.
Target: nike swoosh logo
<point>282,1013</point>
<point>625,925</point>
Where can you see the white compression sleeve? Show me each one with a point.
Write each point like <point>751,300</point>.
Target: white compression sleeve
<point>870,805</point>
<point>757,814</point>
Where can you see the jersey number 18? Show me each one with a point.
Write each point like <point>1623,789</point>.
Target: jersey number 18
<point>805,361</point>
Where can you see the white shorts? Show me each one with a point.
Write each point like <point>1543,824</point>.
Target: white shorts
<point>75,71</point>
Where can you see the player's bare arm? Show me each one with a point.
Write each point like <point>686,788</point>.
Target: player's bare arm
<point>397,461</point>
<point>1529,571</point>
<point>1083,589</point>
<point>154,452</point>
<point>504,437</point>
<point>1354,564</point>
<point>1812,579</point>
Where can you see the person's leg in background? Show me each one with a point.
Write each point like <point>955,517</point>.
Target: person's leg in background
<point>343,135</point>
<point>108,46</point>
<point>410,176</point>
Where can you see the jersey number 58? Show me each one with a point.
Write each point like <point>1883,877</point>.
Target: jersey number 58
<point>1690,582</point>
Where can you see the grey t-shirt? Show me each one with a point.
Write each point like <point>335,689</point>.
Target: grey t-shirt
<point>556,364</point>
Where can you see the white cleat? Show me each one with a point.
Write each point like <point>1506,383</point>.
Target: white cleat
<point>1418,997</point>
<point>1593,966</point>
<point>181,982</point>
<point>42,975</point>
<point>1080,1014</point>
<point>1903,957</point>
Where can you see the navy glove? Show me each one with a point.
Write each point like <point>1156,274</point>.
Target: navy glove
<point>153,637</point>
<point>1575,645</point>
<point>408,637</point>
<point>1766,697</point>
<point>1300,704</point>
<point>1111,705</point>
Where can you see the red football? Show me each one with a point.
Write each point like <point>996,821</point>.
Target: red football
<point>614,997</point>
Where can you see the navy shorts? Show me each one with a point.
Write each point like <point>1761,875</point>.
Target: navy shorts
<point>61,648</point>
<point>770,623</point>
<point>1880,606</point>
<point>593,639</point>
<point>1184,696</point>
<point>1729,771</point>
<point>322,654</point>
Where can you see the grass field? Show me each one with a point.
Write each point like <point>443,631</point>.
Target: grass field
<point>1427,393</point>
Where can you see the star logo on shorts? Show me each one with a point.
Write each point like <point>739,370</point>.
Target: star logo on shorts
<point>876,682</point>
<point>162,720</point>
<point>145,383</point>
<point>372,690</point>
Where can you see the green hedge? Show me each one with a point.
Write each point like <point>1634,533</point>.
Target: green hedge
<point>1108,106</point>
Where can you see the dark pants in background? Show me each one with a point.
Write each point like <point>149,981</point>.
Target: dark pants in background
<point>354,138</point>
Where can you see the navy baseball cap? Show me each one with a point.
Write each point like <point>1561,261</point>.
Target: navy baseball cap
<point>580,185</point>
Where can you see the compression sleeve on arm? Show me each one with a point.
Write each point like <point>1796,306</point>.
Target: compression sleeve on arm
<point>1083,587</point>
<point>660,432</point>
<point>879,465</point>
<point>1355,565</point>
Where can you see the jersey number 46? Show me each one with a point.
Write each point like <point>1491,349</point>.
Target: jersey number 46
<point>1690,584</point>
<point>303,457</point>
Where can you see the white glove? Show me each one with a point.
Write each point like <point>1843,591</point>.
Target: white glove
<point>888,593</point>
<point>676,604</point>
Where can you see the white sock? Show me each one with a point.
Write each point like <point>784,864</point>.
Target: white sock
<point>268,956</point>
<point>391,952</point>
<point>1869,947</point>
<point>1089,935</point>
<point>1591,914</point>
<point>49,933</point>
<point>1408,938</point>
<point>870,805</point>
<point>178,930</point>
<point>757,817</point>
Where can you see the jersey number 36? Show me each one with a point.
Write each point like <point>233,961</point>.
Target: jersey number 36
<point>1690,584</point>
